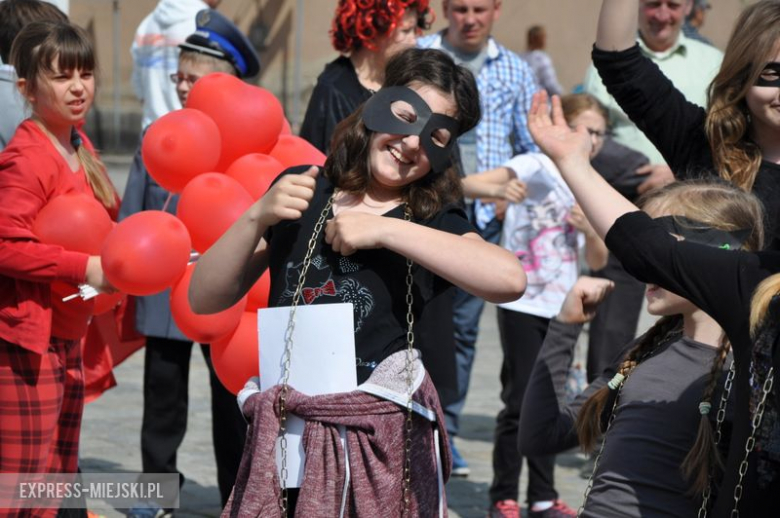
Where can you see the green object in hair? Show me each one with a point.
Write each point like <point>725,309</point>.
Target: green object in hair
<point>705,407</point>
<point>615,382</point>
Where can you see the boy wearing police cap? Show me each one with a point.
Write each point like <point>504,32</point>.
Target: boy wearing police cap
<point>216,46</point>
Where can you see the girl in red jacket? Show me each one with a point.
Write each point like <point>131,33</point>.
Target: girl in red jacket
<point>41,379</point>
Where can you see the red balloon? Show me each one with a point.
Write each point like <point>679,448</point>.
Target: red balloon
<point>146,252</point>
<point>249,117</point>
<point>255,172</point>
<point>291,151</point>
<point>77,222</point>
<point>105,302</point>
<point>209,205</point>
<point>236,357</point>
<point>179,146</point>
<point>202,328</point>
<point>286,129</point>
<point>258,293</point>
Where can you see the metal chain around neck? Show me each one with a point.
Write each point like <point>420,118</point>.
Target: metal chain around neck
<point>750,444</point>
<point>601,448</point>
<point>719,418</point>
<point>407,484</point>
<point>286,358</point>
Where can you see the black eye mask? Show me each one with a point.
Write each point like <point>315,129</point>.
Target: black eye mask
<point>775,67</point>
<point>698,232</point>
<point>378,116</point>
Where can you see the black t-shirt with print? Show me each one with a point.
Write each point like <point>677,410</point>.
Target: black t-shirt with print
<point>374,281</point>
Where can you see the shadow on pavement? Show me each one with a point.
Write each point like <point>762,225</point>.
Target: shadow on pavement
<point>477,427</point>
<point>195,500</point>
<point>468,498</point>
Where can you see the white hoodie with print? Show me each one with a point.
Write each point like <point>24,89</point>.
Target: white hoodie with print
<point>156,53</point>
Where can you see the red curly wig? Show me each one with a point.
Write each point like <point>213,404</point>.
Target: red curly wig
<point>358,23</point>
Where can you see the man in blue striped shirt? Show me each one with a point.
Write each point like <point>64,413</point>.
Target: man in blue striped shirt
<point>506,84</point>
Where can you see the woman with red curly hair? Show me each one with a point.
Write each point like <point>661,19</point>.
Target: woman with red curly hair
<point>366,33</point>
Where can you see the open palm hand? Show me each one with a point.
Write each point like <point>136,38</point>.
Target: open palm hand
<point>553,135</point>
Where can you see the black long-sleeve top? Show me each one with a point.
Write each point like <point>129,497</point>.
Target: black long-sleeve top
<point>676,126</point>
<point>547,423</point>
<point>338,93</point>
<point>721,283</point>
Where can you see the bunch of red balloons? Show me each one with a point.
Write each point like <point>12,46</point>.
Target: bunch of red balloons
<point>220,153</point>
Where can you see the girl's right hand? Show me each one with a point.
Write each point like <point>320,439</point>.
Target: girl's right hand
<point>583,298</point>
<point>289,197</point>
<point>96,277</point>
<point>578,220</point>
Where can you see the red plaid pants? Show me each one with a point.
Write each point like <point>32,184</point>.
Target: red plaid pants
<point>41,404</point>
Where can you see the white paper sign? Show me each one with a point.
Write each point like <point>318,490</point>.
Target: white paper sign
<point>322,362</point>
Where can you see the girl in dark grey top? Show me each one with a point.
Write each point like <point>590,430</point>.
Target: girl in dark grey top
<point>668,379</point>
<point>653,430</point>
<point>722,283</point>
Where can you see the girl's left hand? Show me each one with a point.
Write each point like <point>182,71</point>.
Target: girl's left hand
<point>352,230</point>
<point>578,220</point>
<point>513,191</point>
<point>553,134</point>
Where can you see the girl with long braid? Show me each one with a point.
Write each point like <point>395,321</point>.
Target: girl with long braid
<point>661,398</point>
<point>736,288</point>
<point>41,371</point>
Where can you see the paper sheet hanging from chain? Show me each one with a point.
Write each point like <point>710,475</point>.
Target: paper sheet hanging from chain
<point>322,362</point>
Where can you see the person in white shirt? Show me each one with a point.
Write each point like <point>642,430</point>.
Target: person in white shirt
<point>155,52</point>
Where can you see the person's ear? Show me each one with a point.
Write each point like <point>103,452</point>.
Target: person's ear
<point>496,10</point>
<point>688,8</point>
<point>23,86</point>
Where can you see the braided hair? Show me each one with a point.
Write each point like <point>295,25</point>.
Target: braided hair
<point>720,205</point>
<point>589,421</point>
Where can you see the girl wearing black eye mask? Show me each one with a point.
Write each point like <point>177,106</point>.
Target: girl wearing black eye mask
<point>738,135</point>
<point>388,195</point>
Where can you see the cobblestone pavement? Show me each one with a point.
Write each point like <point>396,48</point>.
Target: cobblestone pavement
<point>110,440</point>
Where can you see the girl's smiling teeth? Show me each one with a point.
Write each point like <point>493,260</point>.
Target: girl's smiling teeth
<point>398,156</point>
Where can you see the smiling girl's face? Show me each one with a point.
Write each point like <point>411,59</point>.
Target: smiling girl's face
<point>398,160</point>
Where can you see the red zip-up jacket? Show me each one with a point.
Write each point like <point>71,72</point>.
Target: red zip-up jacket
<point>32,172</point>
